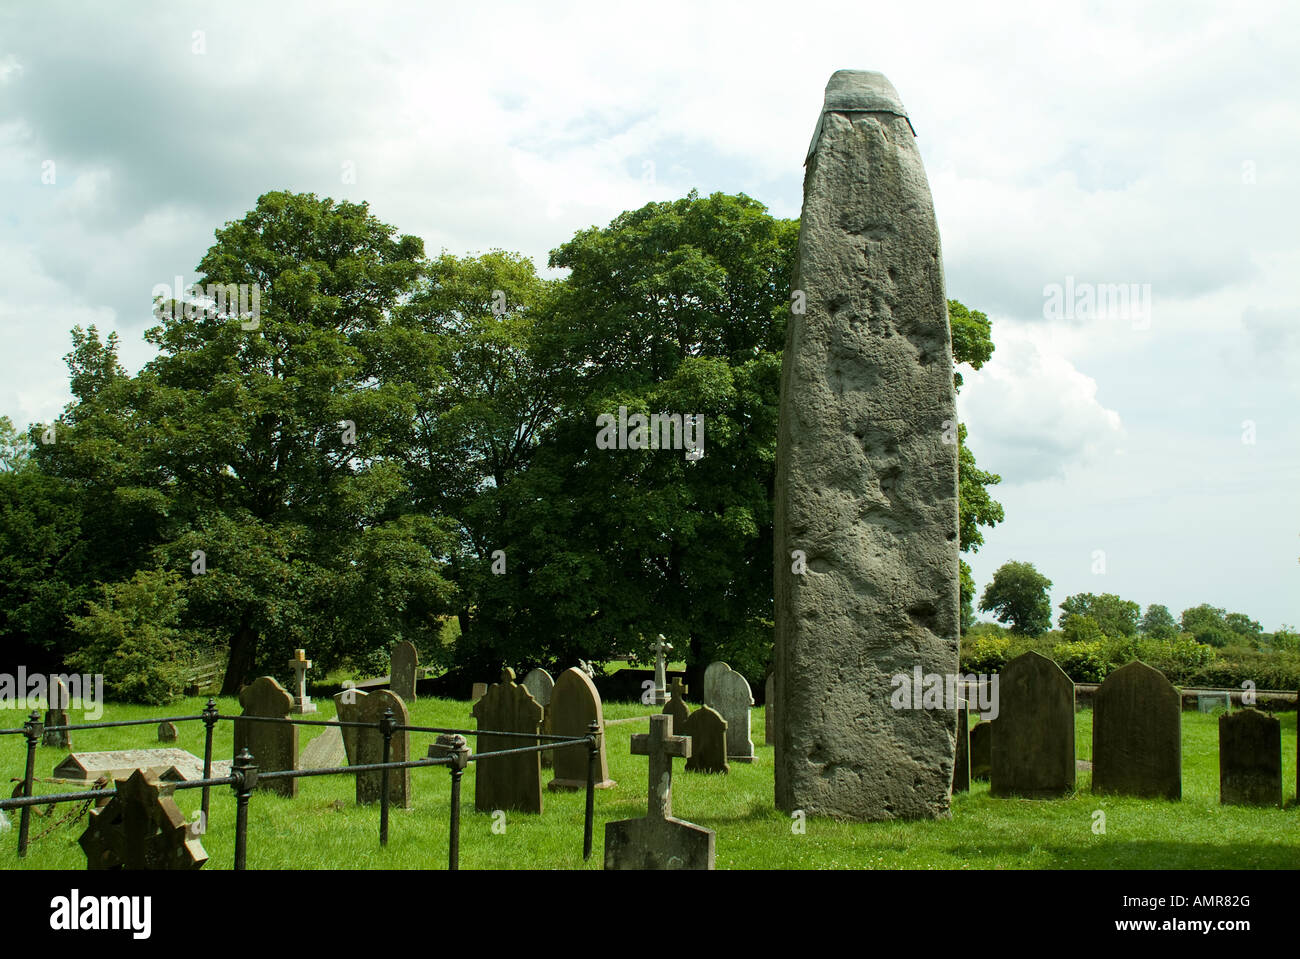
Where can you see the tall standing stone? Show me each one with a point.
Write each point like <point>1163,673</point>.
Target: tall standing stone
<point>1250,759</point>
<point>1137,735</point>
<point>866,561</point>
<point>731,697</point>
<point>274,745</point>
<point>1033,745</point>
<point>370,749</point>
<point>508,782</point>
<point>402,664</point>
<point>540,685</point>
<point>574,705</point>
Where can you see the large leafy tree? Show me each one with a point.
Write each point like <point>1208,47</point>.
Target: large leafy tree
<point>1018,594</point>
<point>1114,616</point>
<point>1158,622</point>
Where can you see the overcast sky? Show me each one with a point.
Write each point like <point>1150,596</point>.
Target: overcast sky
<point>1090,144</point>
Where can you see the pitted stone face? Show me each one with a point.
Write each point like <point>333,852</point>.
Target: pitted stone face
<point>858,91</point>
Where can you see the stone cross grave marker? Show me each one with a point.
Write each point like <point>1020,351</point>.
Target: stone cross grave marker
<point>300,664</point>
<point>509,782</point>
<point>1137,735</point>
<point>865,507</point>
<point>540,685</point>
<point>659,841</point>
<point>57,715</point>
<point>707,731</point>
<point>1250,759</point>
<point>370,749</point>
<point>403,662</point>
<point>575,704</point>
<point>661,669</point>
<point>676,706</point>
<point>1033,750</point>
<point>140,827</point>
<point>961,768</point>
<point>274,745</point>
<point>732,699</point>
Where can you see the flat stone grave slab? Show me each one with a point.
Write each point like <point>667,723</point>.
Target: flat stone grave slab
<point>169,765</point>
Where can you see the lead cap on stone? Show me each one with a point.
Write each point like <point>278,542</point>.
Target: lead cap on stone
<point>858,91</point>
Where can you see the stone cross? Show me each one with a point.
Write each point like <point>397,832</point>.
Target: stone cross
<point>661,746</point>
<point>300,664</point>
<point>661,670</point>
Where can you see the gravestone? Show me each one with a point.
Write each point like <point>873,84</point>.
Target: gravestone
<point>981,749</point>
<point>539,684</point>
<point>769,710</point>
<point>274,745</point>
<point>1250,759</point>
<point>326,751</point>
<point>732,699</point>
<point>574,705</point>
<point>300,664</point>
<point>659,841</point>
<point>676,706</point>
<point>711,674</point>
<point>140,827</point>
<point>1136,735</point>
<point>510,782</point>
<point>166,732</point>
<point>661,670</point>
<point>168,765</point>
<point>961,767</point>
<point>57,715</point>
<point>866,537</point>
<point>370,749</point>
<point>1033,750</point>
<point>402,664</point>
<point>347,709</point>
<point>708,734</point>
<point>479,691</point>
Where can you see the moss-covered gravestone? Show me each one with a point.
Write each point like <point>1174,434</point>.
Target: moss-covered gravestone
<point>1250,759</point>
<point>575,704</point>
<point>274,745</point>
<point>1137,735</point>
<point>370,749</point>
<point>1033,747</point>
<point>508,782</point>
<point>708,734</point>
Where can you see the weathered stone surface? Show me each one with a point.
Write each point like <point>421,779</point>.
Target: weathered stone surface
<point>659,841</point>
<point>732,699</point>
<point>510,782</point>
<point>166,732</point>
<point>325,751</point>
<point>1033,746</point>
<point>866,483</point>
<point>370,749</point>
<point>961,768</point>
<point>540,685</point>
<point>574,704</point>
<point>347,709</point>
<point>141,827</point>
<point>274,745</point>
<point>1250,759</point>
<point>402,664</point>
<point>981,750</point>
<point>769,710</point>
<point>708,734</point>
<point>711,674</point>
<point>300,664</point>
<point>57,715</point>
<point>676,705</point>
<point>168,765</point>
<point>1137,735</point>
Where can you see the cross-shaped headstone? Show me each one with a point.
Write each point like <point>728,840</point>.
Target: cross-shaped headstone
<point>661,746</point>
<point>657,840</point>
<point>300,664</point>
<point>661,646</point>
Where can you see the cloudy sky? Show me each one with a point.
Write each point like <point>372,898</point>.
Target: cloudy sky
<point>1151,450</point>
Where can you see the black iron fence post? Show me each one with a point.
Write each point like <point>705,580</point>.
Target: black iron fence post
<point>210,721</point>
<point>458,749</point>
<point>387,726</point>
<point>32,730</point>
<point>244,773</point>
<point>593,760</point>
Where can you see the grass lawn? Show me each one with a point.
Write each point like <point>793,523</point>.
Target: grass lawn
<point>313,832</point>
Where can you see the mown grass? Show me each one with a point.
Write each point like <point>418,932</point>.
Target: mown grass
<point>323,828</point>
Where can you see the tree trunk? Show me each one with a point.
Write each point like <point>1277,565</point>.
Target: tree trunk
<point>243,657</point>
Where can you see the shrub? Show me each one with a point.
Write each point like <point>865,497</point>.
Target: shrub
<point>129,637</point>
<point>1083,662</point>
<point>984,654</point>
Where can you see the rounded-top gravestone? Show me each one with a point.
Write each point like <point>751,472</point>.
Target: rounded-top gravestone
<point>1137,735</point>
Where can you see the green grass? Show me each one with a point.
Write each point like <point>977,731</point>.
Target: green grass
<point>312,832</point>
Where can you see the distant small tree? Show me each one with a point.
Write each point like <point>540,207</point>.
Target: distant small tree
<point>1158,622</point>
<point>1208,624</point>
<point>1019,595</point>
